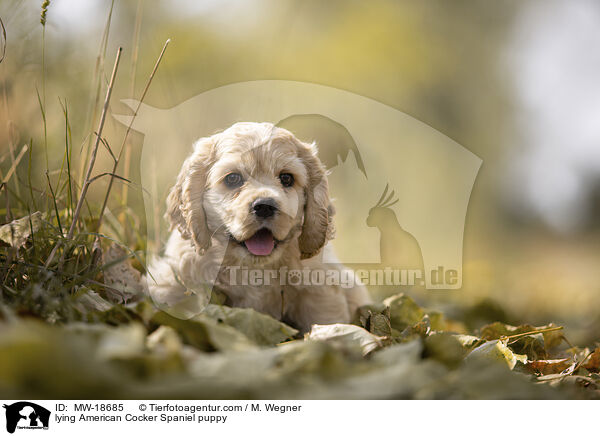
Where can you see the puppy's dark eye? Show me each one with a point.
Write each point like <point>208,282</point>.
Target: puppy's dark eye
<point>287,179</point>
<point>233,180</point>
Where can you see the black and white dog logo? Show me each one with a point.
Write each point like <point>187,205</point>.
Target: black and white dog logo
<point>26,415</point>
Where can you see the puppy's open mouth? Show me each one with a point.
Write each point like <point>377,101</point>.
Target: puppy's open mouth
<point>262,243</point>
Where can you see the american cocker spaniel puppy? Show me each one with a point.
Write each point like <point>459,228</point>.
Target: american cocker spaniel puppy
<point>250,215</point>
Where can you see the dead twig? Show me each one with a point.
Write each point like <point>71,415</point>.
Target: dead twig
<point>134,59</point>
<point>533,332</point>
<point>3,42</point>
<point>97,85</point>
<point>15,164</point>
<point>116,164</point>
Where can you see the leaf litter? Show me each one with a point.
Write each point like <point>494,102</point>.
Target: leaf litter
<point>105,339</point>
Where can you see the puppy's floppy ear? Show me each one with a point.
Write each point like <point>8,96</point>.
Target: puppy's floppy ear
<point>185,208</point>
<point>317,227</point>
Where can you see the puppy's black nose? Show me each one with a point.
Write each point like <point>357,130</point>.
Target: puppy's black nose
<point>264,207</point>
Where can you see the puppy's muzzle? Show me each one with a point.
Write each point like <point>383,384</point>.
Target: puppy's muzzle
<point>264,207</point>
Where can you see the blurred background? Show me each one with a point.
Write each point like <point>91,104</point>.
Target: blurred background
<point>515,82</point>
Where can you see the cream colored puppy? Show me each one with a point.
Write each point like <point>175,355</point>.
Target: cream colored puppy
<point>255,198</point>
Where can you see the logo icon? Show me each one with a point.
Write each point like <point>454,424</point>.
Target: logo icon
<point>26,415</point>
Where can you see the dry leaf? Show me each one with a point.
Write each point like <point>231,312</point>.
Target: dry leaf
<point>16,232</point>
<point>551,366</point>
<point>120,275</point>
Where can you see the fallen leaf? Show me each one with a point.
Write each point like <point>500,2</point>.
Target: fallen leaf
<point>260,328</point>
<point>437,320</point>
<point>592,363</point>
<point>120,275</point>
<point>165,339</point>
<point>16,232</point>
<point>445,348</point>
<point>551,366</point>
<point>468,341</point>
<point>347,334</point>
<point>121,342</point>
<point>404,312</point>
<point>535,345</point>
<point>92,301</point>
<point>495,351</point>
<point>205,333</point>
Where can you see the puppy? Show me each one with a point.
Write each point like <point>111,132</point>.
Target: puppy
<point>254,198</point>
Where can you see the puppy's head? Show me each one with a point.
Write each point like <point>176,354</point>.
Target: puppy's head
<point>255,187</point>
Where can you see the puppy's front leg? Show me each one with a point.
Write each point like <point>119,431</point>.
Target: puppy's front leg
<point>181,277</point>
<point>315,305</point>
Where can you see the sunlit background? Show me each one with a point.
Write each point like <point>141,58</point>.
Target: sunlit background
<point>514,82</point>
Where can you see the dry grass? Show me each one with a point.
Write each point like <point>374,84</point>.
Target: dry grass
<point>62,258</point>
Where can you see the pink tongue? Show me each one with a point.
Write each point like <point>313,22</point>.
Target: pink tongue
<point>261,244</point>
